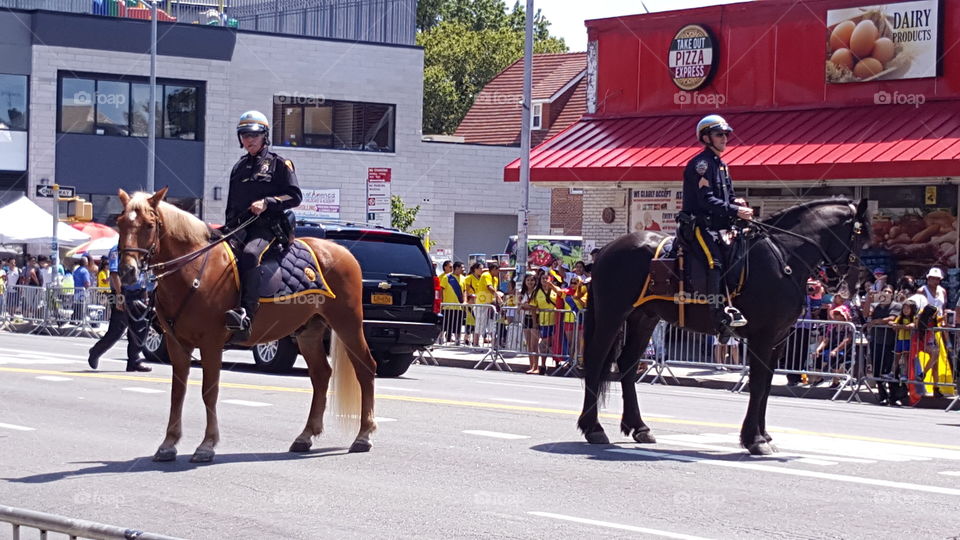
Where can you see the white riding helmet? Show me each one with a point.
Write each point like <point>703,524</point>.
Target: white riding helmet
<point>713,122</point>
<point>253,122</point>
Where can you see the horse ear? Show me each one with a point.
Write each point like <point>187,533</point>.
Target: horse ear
<point>862,208</point>
<point>124,197</point>
<point>158,196</point>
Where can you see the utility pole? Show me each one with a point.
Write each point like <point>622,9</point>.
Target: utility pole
<point>152,124</point>
<point>525,148</point>
<point>55,242</point>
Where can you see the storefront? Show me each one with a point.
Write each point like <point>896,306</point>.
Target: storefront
<point>827,98</point>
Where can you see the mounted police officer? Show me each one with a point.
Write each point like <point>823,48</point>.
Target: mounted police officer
<point>708,203</point>
<point>262,184</point>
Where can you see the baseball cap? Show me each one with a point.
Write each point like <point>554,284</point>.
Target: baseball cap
<point>879,270</point>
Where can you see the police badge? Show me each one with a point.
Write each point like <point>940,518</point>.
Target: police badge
<point>702,166</point>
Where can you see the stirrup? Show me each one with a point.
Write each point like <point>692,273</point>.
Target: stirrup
<point>735,319</point>
<point>237,320</point>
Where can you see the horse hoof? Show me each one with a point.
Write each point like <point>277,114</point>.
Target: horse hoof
<point>644,437</point>
<point>760,449</point>
<point>300,446</point>
<point>597,437</point>
<point>773,448</point>
<point>202,456</point>
<point>165,454</point>
<point>360,446</point>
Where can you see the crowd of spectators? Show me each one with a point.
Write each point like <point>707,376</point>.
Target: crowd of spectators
<point>65,286</point>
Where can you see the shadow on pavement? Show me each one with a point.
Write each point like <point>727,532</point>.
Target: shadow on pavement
<point>182,464</point>
<point>652,453</point>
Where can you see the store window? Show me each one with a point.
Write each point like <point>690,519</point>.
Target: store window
<point>118,106</point>
<point>13,102</point>
<point>338,125</point>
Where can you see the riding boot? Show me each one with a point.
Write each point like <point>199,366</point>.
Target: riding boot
<point>240,321</point>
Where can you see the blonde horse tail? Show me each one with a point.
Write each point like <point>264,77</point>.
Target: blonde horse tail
<point>346,387</point>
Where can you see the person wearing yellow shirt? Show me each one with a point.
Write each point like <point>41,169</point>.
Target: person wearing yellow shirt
<point>103,275</point>
<point>451,285</point>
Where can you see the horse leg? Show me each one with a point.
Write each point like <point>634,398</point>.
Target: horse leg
<point>180,361</point>
<point>777,351</point>
<point>211,358</point>
<point>760,351</point>
<point>639,330</point>
<point>310,340</point>
<point>350,350</point>
<point>597,358</point>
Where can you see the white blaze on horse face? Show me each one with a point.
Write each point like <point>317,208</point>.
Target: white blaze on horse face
<point>132,216</point>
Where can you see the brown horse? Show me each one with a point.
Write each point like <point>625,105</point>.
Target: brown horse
<point>191,301</point>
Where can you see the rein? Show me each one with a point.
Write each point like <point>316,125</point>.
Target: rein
<point>166,268</point>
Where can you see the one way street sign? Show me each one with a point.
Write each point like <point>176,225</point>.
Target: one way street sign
<point>65,191</point>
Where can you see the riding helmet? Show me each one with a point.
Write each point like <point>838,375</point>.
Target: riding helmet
<point>253,122</point>
<point>713,122</point>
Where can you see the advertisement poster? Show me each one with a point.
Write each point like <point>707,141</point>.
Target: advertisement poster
<point>655,209</point>
<point>914,239</point>
<point>882,42</point>
<point>319,204</point>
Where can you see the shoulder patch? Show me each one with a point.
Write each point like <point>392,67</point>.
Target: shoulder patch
<point>289,164</point>
<point>701,166</point>
<point>703,182</point>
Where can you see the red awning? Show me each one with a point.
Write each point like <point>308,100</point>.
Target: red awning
<point>882,141</point>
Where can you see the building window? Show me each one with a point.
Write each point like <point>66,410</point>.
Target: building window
<point>118,106</point>
<point>537,118</point>
<point>338,125</point>
<point>13,102</point>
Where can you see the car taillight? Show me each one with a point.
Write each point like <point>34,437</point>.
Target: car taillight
<point>437,294</point>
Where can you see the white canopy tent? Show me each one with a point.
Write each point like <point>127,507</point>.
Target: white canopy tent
<point>23,222</point>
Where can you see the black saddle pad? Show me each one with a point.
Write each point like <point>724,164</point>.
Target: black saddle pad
<point>291,273</point>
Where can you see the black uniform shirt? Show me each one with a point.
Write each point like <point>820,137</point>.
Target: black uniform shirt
<point>262,176</point>
<point>708,190</point>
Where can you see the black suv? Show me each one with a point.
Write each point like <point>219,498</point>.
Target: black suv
<point>401,301</point>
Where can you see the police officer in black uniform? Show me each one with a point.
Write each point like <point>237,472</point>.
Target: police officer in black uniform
<point>709,203</point>
<point>262,184</point>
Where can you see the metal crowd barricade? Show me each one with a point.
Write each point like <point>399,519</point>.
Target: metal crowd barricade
<point>26,308</point>
<point>55,310</point>
<point>75,528</point>
<point>673,346</point>
<point>891,363</point>
<point>799,355</point>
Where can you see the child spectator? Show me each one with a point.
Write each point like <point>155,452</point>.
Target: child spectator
<point>531,333</point>
<point>834,347</point>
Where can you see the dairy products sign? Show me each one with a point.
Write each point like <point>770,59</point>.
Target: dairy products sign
<point>693,57</point>
<point>319,204</point>
<point>883,42</point>
<point>655,209</point>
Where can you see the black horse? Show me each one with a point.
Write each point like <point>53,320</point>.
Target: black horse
<point>788,248</point>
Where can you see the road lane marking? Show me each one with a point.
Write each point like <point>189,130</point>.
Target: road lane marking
<point>487,405</point>
<point>398,388</point>
<point>619,526</point>
<point>950,473</point>
<point>16,427</point>
<point>246,403</point>
<point>495,434</point>
<point>807,458</point>
<point>508,400</point>
<point>383,419</point>
<point>53,378</point>
<point>787,471</point>
<point>517,385</point>
<point>142,390</point>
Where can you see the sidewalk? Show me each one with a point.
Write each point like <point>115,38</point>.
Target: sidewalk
<point>699,377</point>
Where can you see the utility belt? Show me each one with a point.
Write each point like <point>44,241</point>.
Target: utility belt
<point>281,226</point>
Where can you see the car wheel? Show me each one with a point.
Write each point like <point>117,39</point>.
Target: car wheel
<point>393,365</point>
<point>276,356</point>
<point>155,346</point>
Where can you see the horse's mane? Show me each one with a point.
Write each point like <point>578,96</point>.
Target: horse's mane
<point>794,214</point>
<point>180,225</point>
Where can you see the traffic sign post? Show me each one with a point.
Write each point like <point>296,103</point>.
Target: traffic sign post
<point>56,191</point>
<point>55,243</point>
<point>378,192</point>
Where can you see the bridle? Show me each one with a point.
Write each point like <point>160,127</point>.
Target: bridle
<point>852,260</point>
<point>155,271</point>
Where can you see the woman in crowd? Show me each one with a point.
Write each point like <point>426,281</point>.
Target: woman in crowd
<point>545,299</point>
<point>531,331</point>
<point>882,339</point>
<point>834,347</point>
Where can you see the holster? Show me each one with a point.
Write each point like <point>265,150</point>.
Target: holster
<point>283,228</point>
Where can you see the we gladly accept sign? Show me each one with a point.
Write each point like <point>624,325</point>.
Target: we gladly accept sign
<point>693,57</point>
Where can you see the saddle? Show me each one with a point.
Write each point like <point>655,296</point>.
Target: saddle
<point>679,271</point>
<point>290,271</point>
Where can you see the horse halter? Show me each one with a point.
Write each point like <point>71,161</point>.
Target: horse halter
<point>144,255</point>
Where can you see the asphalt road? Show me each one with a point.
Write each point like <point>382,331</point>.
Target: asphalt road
<point>463,454</point>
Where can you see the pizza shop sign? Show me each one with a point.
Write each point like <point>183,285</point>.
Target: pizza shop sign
<point>693,57</point>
